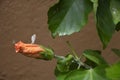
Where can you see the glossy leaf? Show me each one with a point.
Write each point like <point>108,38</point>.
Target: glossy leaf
<point>68,16</point>
<point>105,24</point>
<point>60,75</point>
<point>94,56</point>
<point>91,74</point>
<point>116,51</point>
<point>113,72</point>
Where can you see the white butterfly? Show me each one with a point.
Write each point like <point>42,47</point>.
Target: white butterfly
<point>33,38</point>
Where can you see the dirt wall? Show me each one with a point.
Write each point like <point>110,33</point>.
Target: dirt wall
<point>19,19</point>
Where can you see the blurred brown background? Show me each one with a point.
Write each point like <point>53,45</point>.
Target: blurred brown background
<point>19,19</point>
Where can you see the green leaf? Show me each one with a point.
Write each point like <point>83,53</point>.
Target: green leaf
<point>68,16</point>
<point>77,75</point>
<point>115,10</point>
<point>63,65</point>
<point>113,72</point>
<point>60,75</point>
<point>105,24</point>
<point>116,51</point>
<point>94,56</point>
<point>91,74</point>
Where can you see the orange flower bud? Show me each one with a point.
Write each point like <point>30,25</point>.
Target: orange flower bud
<point>31,50</point>
<point>34,51</point>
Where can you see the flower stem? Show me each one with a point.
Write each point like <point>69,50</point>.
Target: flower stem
<point>80,63</point>
<point>86,66</point>
<point>58,57</point>
<point>72,49</point>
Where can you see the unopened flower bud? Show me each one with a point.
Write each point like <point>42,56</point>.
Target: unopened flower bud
<point>34,51</point>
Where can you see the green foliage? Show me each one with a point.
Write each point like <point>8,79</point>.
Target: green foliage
<point>85,71</point>
<point>113,72</point>
<point>63,64</point>
<point>104,23</point>
<point>94,56</point>
<point>91,74</point>
<point>95,5</point>
<point>60,75</point>
<point>47,54</point>
<point>68,16</point>
<point>115,10</point>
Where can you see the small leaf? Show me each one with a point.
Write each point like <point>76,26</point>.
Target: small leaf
<point>116,51</point>
<point>68,16</point>
<point>105,24</point>
<point>63,65</point>
<point>113,72</point>
<point>91,74</point>
<point>94,56</point>
<point>115,9</point>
